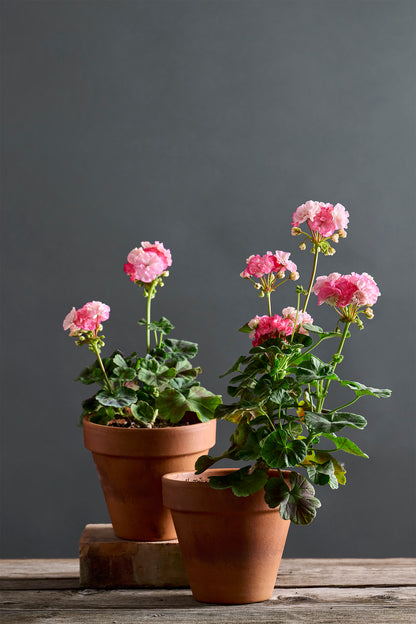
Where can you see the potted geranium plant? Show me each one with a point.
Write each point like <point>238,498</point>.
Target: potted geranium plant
<point>279,389</point>
<point>149,414</point>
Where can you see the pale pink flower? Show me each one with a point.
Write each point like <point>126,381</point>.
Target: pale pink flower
<point>147,262</point>
<point>367,290</point>
<point>283,262</point>
<point>341,217</point>
<point>91,315</point>
<point>300,318</point>
<point>266,327</point>
<point>69,323</point>
<point>322,218</point>
<point>305,212</point>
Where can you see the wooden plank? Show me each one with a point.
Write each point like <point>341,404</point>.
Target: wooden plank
<point>261,613</point>
<point>165,599</point>
<point>64,573</point>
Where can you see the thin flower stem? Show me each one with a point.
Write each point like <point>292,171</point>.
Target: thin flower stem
<point>148,310</point>
<point>315,264</point>
<point>341,344</point>
<point>97,353</point>
<point>269,305</point>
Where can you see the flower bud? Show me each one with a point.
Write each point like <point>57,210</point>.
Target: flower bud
<point>302,246</point>
<point>296,231</point>
<point>330,251</point>
<point>243,276</point>
<point>280,274</point>
<point>261,293</point>
<point>257,286</point>
<point>342,233</point>
<point>294,276</point>
<point>335,238</point>
<point>369,313</point>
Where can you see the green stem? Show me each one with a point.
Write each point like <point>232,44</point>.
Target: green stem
<point>269,305</point>
<point>97,353</point>
<point>315,264</point>
<point>148,309</point>
<point>341,344</point>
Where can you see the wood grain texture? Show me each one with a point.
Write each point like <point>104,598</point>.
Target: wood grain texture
<point>376,591</point>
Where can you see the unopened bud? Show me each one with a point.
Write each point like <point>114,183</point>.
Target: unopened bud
<point>296,231</point>
<point>243,276</point>
<point>302,246</point>
<point>330,251</point>
<point>369,313</point>
<point>261,293</point>
<point>257,286</point>
<point>335,238</point>
<point>294,276</point>
<point>342,233</point>
<point>281,274</point>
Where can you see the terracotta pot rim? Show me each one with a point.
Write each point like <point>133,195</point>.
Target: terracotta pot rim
<point>144,429</point>
<point>187,492</point>
<point>159,442</point>
<point>201,480</point>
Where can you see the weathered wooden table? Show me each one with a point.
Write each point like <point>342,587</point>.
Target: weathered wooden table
<point>322,591</point>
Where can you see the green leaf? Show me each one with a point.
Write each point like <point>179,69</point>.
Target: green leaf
<point>360,389</point>
<point>172,404</point>
<point>204,462</point>
<point>142,411</point>
<point>321,474</point>
<point>119,361</point>
<point>182,348</point>
<point>164,326</point>
<point>236,366</point>
<point>313,369</point>
<point>121,397</point>
<point>279,452</point>
<point>346,445</point>
<point>315,329</point>
<point>333,421</point>
<point>250,450</point>
<point>297,504</point>
<point>234,412</point>
<point>125,373</point>
<point>90,375</point>
<point>241,482</point>
<point>245,329</point>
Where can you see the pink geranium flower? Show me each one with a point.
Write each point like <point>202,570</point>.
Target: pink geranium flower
<point>147,262</point>
<point>87,318</point>
<point>258,266</point>
<point>299,317</point>
<point>325,219</point>
<point>266,327</point>
<point>343,290</point>
<point>69,323</point>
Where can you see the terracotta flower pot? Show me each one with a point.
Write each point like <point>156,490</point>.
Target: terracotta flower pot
<point>231,546</point>
<point>130,464</point>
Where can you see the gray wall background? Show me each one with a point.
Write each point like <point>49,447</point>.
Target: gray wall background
<point>202,124</point>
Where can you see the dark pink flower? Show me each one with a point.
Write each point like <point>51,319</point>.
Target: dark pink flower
<point>266,327</point>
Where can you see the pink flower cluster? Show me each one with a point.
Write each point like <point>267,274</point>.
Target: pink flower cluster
<point>325,219</point>
<point>87,318</point>
<point>147,262</point>
<point>279,263</point>
<point>342,290</point>
<point>265,327</point>
<point>300,318</point>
